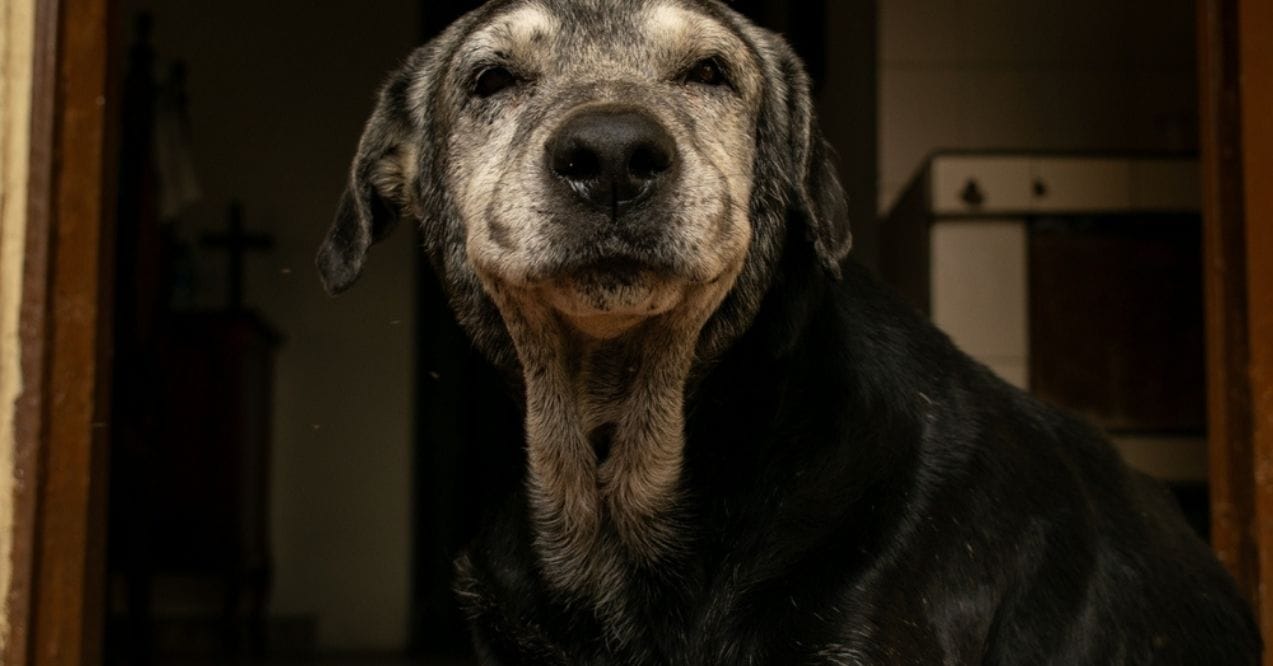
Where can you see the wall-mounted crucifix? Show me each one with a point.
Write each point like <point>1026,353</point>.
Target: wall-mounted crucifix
<point>237,241</point>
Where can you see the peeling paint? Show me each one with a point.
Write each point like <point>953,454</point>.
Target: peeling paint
<point>17,28</point>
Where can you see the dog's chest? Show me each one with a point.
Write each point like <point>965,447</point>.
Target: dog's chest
<point>512,631</point>
<point>516,619</point>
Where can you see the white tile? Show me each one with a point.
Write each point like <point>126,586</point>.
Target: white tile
<point>920,31</point>
<point>993,31</point>
<point>999,110</point>
<point>1163,33</point>
<point>1093,33</point>
<point>919,113</point>
<point>979,286</point>
<point>888,195</point>
<point>1081,110</point>
<point>1003,182</point>
<point>1013,371</point>
<point>1078,184</point>
<point>1166,458</point>
<point>1162,107</point>
<point>1171,185</point>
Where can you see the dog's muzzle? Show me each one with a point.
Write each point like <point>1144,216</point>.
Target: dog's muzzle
<point>613,169</point>
<point>612,158</point>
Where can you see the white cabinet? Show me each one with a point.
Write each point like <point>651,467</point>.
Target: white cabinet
<point>964,185</point>
<point>972,185</point>
<point>1165,185</point>
<point>971,232</point>
<point>1066,184</point>
<point>979,291</point>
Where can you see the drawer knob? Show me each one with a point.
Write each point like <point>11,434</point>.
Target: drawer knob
<point>1040,188</point>
<point>972,194</point>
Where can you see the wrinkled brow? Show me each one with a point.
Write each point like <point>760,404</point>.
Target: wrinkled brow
<point>511,37</point>
<point>681,37</point>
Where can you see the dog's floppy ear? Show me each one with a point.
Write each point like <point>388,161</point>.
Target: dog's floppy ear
<point>816,195</point>
<point>823,202</point>
<point>381,183</point>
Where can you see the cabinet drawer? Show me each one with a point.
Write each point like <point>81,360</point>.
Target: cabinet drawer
<point>1072,184</point>
<point>1166,185</point>
<point>973,185</point>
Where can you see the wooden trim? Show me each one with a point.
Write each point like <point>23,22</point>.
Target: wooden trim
<point>1255,22</point>
<point>1228,398</point>
<point>58,605</point>
<point>28,409</point>
<point>1236,76</point>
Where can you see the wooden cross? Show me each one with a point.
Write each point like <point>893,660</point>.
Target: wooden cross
<point>237,241</point>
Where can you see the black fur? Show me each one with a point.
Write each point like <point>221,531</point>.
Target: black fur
<point>861,492</point>
<point>855,489</point>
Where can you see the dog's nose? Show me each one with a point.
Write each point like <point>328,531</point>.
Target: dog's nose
<point>612,157</point>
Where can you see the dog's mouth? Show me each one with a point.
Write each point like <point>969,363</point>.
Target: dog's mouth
<point>608,297</point>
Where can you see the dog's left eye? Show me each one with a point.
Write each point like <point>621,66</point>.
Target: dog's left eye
<point>708,72</point>
<point>493,80</point>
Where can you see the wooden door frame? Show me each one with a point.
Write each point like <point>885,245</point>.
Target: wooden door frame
<point>54,606</point>
<point>1235,60</point>
<point>56,599</point>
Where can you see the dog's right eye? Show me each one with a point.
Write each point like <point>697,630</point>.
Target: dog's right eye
<point>492,81</point>
<point>707,72</point>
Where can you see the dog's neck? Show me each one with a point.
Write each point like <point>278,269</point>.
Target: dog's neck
<point>605,431</point>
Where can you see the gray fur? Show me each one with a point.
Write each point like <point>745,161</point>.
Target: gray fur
<point>526,271</point>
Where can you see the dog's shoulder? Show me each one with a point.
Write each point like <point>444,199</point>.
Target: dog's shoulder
<point>995,522</point>
<point>855,482</point>
<point>1084,551</point>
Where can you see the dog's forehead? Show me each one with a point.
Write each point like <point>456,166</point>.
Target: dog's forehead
<point>606,30</point>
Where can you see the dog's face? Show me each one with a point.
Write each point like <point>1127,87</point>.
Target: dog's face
<point>607,162</point>
<point>602,158</point>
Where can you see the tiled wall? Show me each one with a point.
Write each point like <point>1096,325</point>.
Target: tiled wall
<point>1100,75</point>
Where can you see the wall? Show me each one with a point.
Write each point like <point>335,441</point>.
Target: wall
<point>1033,74</point>
<point>278,94</point>
<point>847,111</point>
<point>17,27</point>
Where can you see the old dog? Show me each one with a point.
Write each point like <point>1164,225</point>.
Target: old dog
<point>739,448</point>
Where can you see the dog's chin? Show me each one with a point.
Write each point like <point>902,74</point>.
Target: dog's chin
<point>605,306</point>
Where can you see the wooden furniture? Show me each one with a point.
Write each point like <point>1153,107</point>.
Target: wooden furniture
<point>1076,277</point>
<point>191,493</point>
<point>212,457</point>
<point>190,419</point>
<point>53,608</point>
<point>1235,59</point>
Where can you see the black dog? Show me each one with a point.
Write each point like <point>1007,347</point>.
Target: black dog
<point>739,448</point>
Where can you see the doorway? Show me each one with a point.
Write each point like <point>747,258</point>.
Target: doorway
<point>57,606</point>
